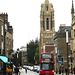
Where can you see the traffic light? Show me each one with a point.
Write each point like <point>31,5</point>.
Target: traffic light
<point>62,59</point>
<point>71,59</point>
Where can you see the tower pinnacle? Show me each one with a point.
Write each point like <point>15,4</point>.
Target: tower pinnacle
<point>72,10</point>
<point>46,1</point>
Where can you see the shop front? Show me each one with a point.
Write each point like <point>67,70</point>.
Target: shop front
<point>5,66</point>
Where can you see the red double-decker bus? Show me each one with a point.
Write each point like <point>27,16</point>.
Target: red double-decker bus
<point>47,64</point>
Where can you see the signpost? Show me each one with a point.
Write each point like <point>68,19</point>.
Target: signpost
<point>67,51</point>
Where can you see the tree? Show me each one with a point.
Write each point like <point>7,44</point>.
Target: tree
<point>31,50</point>
<point>37,55</point>
<point>19,59</point>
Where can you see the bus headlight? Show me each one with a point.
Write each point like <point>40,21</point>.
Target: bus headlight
<point>53,71</point>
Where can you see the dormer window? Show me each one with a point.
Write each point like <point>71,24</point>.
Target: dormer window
<point>47,8</point>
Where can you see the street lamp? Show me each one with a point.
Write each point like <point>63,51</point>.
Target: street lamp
<point>56,56</point>
<point>67,51</point>
<point>17,57</point>
<point>71,62</point>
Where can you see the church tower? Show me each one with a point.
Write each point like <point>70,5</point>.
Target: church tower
<point>73,35</point>
<point>47,28</point>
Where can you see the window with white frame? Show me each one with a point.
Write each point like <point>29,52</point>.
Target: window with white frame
<point>1,29</point>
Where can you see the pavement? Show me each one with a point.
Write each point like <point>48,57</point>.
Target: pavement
<point>22,72</point>
<point>63,74</point>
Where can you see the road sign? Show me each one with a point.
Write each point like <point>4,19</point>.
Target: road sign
<point>59,62</point>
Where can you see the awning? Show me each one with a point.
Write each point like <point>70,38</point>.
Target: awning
<point>5,59</point>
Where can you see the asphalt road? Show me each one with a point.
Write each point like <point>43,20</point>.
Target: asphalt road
<point>22,72</point>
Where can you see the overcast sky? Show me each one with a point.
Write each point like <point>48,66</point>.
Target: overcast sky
<point>24,16</point>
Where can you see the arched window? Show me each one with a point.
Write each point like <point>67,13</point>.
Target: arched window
<point>47,8</point>
<point>47,24</point>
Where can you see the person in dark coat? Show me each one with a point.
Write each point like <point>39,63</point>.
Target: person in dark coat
<point>74,70</point>
<point>26,69</point>
<point>59,71</point>
<point>17,70</point>
<point>66,71</point>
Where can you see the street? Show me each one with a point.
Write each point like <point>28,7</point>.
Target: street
<point>22,72</point>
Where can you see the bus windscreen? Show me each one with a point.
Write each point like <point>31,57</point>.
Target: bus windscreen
<point>47,67</point>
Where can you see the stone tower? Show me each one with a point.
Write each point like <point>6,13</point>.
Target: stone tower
<point>73,35</point>
<point>47,28</point>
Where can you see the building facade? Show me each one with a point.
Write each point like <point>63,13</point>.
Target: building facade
<point>24,55</point>
<point>47,28</point>
<point>73,35</point>
<point>60,42</point>
<point>6,36</point>
<point>48,47</point>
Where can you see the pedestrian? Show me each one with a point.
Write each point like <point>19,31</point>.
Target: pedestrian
<point>17,70</point>
<point>74,70</point>
<point>66,71</point>
<point>26,69</point>
<point>62,69</point>
<point>59,71</point>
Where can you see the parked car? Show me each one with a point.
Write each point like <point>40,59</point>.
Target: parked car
<point>20,67</point>
<point>35,68</point>
<point>31,68</point>
<point>38,69</point>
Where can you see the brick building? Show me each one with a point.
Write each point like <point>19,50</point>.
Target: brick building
<point>48,47</point>
<point>6,36</point>
<point>60,42</point>
<point>23,50</point>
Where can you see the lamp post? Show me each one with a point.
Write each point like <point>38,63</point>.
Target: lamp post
<point>71,62</point>
<point>67,51</point>
<point>17,57</point>
<point>4,38</point>
<point>56,56</point>
<point>34,60</point>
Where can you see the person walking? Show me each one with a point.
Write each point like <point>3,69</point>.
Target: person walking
<point>59,71</point>
<point>74,70</point>
<point>17,70</point>
<point>26,69</point>
<point>66,71</point>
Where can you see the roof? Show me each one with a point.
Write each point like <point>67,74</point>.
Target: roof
<point>4,59</point>
<point>62,32</point>
<point>62,29</point>
<point>51,41</point>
